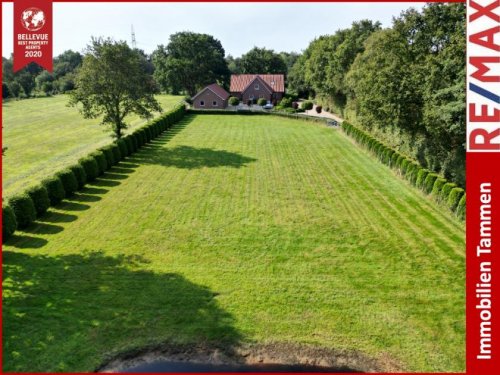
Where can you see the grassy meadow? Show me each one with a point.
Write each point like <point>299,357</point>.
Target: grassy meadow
<point>230,229</point>
<point>44,134</point>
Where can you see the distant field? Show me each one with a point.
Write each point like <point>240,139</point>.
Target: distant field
<point>234,229</point>
<point>43,135</point>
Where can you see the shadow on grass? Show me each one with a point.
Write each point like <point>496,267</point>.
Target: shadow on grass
<point>72,312</point>
<point>187,157</point>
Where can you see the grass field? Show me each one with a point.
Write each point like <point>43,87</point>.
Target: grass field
<point>239,229</point>
<point>44,134</point>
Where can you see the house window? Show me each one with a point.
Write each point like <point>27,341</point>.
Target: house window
<point>257,87</point>
<point>202,103</point>
<point>272,83</point>
<point>214,103</point>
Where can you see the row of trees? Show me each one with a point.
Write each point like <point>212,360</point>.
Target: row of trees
<point>404,84</point>
<point>32,78</point>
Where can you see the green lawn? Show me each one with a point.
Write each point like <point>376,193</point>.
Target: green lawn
<point>43,135</point>
<point>239,229</point>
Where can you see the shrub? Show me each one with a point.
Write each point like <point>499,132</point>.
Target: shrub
<point>147,132</point>
<point>429,181</point>
<point>81,176</point>
<point>138,138</point>
<point>307,105</point>
<point>55,188</point>
<point>395,160</point>
<point>461,208</point>
<point>110,157</point>
<point>188,99</point>
<point>40,198</point>
<point>122,146</point>
<point>91,168</point>
<point>9,222</point>
<point>445,191</point>
<point>101,160</point>
<point>129,140</point>
<point>285,103</point>
<point>261,101</point>
<point>249,102</point>
<point>233,100</point>
<point>295,105</point>
<point>319,109</point>
<point>68,180</point>
<point>117,155</point>
<point>411,172</point>
<point>24,209</point>
<point>454,198</point>
<point>438,185</point>
<point>421,176</point>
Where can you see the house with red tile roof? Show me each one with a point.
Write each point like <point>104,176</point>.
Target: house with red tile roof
<point>255,86</point>
<point>211,97</point>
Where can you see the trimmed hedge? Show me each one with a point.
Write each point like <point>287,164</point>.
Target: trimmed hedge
<point>454,198</point>
<point>24,209</point>
<point>89,163</point>
<point>438,185</point>
<point>122,145</point>
<point>68,180</point>
<point>117,155</point>
<point>110,157</point>
<point>40,198</point>
<point>307,105</point>
<point>9,222</point>
<point>55,189</point>
<point>445,191</point>
<point>461,208</point>
<point>81,176</point>
<point>102,162</point>
<point>429,182</point>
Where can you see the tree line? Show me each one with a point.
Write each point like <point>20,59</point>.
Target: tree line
<point>405,84</point>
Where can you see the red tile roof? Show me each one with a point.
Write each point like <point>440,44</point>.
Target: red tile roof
<point>217,90</point>
<point>239,82</point>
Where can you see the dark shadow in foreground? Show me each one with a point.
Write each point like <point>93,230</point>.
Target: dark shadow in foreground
<point>71,312</point>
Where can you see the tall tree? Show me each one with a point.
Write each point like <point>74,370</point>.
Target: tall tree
<point>262,61</point>
<point>113,82</point>
<point>189,62</point>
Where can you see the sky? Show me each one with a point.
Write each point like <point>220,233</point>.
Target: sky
<point>239,27</point>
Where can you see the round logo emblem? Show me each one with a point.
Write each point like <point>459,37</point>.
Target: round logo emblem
<point>33,19</point>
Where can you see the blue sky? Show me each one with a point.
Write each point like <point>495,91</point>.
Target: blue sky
<point>240,26</point>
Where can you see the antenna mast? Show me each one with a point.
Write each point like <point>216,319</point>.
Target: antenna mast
<point>134,42</point>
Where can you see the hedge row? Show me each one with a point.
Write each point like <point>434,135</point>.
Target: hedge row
<point>429,182</point>
<point>22,209</point>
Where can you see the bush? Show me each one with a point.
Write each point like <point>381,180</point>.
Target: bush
<point>24,210</point>
<point>438,185</point>
<point>261,101</point>
<point>411,172</point>
<point>9,222</point>
<point>117,155</point>
<point>55,188</point>
<point>91,168</point>
<point>421,176</point>
<point>429,182</point>
<point>131,146</point>
<point>138,138</point>
<point>454,198</point>
<point>249,102</point>
<point>122,146</point>
<point>102,162</point>
<point>319,109</point>
<point>445,191</point>
<point>461,208</point>
<point>81,176</point>
<point>68,180</point>
<point>307,105</point>
<point>233,100</point>
<point>110,156</point>
<point>295,105</point>
<point>40,198</point>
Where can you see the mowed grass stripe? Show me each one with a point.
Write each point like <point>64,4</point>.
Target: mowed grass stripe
<point>276,229</point>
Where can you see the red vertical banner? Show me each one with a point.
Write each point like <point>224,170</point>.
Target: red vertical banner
<point>33,33</point>
<point>483,245</point>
